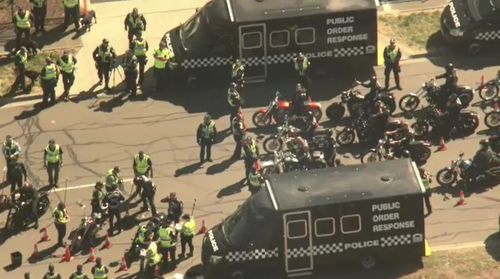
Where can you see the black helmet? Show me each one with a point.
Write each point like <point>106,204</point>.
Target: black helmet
<point>484,142</point>
<point>406,154</point>
<point>449,67</point>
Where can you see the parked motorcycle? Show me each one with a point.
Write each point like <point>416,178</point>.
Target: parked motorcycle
<point>419,151</point>
<point>467,123</point>
<point>492,118</point>
<point>282,161</point>
<point>85,235</point>
<point>20,216</point>
<point>489,90</point>
<point>275,142</point>
<point>364,132</point>
<point>447,176</point>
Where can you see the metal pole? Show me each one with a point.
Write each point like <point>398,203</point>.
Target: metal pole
<point>194,205</point>
<point>65,190</point>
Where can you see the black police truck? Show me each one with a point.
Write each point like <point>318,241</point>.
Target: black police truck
<point>267,34</point>
<point>472,24</point>
<point>302,221</point>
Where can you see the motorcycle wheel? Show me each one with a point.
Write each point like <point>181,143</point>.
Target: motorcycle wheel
<point>370,157</point>
<point>335,111</point>
<point>421,129</point>
<point>259,119</point>
<point>446,177</point>
<point>279,116</point>
<point>492,119</point>
<point>409,103</point>
<point>421,154</point>
<point>317,113</point>
<point>345,137</point>
<point>390,104</point>
<point>489,92</point>
<point>43,205</point>
<point>272,144</point>
<point>465,97</point>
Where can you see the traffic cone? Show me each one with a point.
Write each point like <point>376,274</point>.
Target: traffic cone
<point>67,256</point>
<point>92,257</point>
<point>45,235</point>
<point>442,145</point>
<point>107,244</point>
<point>123,265</point>
<point>35,252</point>
<point>461,201</point>
<point>203,228</point>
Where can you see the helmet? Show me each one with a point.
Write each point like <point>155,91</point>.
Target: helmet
<point>105,41</point>
<point>449,67</point>
<point>406,154</point>
<point>392,41</point>
<point>99,185</point>
<point>484,142</point>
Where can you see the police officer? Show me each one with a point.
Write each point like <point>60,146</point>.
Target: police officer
<point>392,55</point>
<point>148,193</point>
<point>161,55</point>
<point>104,56</point>
<point>39,12</point>
<point>301,65</point>
<point>255,180</point>
<point>16,175</point>
<point>450,85</point>
<point>21,60</point>
<point>251,154</point>
<point>51,274</point>
<point>237,71</point>
<point>238,130</point>
<point>205,136</point>
<point>167,241</point>
<point>426,180</point>
<point>134,22</point>
<point>53,161</point>
<point>71,13</point>
<point>130,66</point>
<point>153,256</point>
<point>142,165</point>
<point>61,218</point>
<point>99,270</point>
<point>234,101</point>
<point>78,274</point>
<point>10,150</point>
<point>27,275</point>
<point>67,64</point>
<point>329,148</point>
<point>114,200</point>
<point>140,47</point>
<point>175,207</point>
<point>22,19</point>
<point>113,179</point>
<point>50,75</point>
<point>30,195</point>
<point>97,198</point>
<point>187,233</point>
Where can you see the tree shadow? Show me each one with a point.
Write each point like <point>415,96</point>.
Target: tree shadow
<point>37,108</point>
<point>220,167</point>
<point>232,189</point>
<point>187,169</point>
<point>492,245</point>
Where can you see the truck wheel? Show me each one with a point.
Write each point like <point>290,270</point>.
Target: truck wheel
<point>474,48</point>
<point>368,262</point>
<point>238,274</point>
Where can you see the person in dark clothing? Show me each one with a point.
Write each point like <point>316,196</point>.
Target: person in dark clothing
<point>114,200</point>
<point>250,154</point>
<point>375,87</point>
<point>134,22</point>
<point>28,194</point>
<point>97,198</point>
<point>148,193</point>
<point>71,13</point>
<point>205,137</point>
<point>238,129</point>
<point>175,207</point>
<point>22,20</point>
<point>39,12</point>
<point>450,116</point>
<point>130,68</point>
<point>16,176</point>
<point>329,148</point>
<point>450,86</point>
<point>426,180</point>
<point>378,120</point>
<point>484,157</point>
<point>105,57</point>
<point>392,55</point>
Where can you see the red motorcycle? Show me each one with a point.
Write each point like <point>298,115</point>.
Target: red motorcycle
<point>278,108</point>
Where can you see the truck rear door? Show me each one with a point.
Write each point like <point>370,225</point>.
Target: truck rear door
<point>298,243</point>
<point>252,47</point>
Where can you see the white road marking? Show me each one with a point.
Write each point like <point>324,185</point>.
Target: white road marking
<point>80,186</point>
<point>457,246</point>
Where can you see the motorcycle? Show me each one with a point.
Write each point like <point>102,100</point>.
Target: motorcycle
<point>283,161</point>
<point>275,142</point>
<point>278,108</point>
<point>492,118</point>
<point>467,123</point>
<point>419,151</point>
<point>447,176</point>
<point>489,90</point>
<point>85,235</point>
<point>20,216</point>
<point>362,129</point>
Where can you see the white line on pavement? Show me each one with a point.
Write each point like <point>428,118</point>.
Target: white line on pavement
<point>457,246</point>
<point>80,186</point>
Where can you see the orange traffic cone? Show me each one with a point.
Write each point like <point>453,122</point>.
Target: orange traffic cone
<point>442,145</point>
<point>123,265</point>
<point>45,235</point>
<point>107,244</point>
<point>461,201</point>
<point>67,256</point>
<point>92,257</point>
<point>203,228</point>
<point>35,252</point>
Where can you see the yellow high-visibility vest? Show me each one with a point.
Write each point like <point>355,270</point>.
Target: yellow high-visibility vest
<point>163,53</point>
<point>70,3</point>
<point>67,67</point>
<point>141,166</point>
<point>139,47</point>
<point>61,216</point>
<point>188,228</point>
<point>23,22</point>
<point>53,156</point>
<point>50,72</point>
<point>208,130</point>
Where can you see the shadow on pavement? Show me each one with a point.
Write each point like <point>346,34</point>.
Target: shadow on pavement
<point>187,169</point>
<point>220,167</point>
<point>44,254</point>
<point>232,189</point>
<point>492,245</point>
<point>30,113</point>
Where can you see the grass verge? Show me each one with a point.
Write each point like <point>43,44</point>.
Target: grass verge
<point>413,30</point>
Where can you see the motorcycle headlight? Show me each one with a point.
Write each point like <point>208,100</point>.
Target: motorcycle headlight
<point>215,259</point>
<point>456,32</point>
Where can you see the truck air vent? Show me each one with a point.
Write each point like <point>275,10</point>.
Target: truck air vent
<point>386,179</point>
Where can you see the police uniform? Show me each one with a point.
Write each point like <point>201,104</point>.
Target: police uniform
<point>142,167</point>
<point>234,102</point>
<point>187,234</point>
<point>71,13</point>
<point>113,181</point>
<point>97,198</point>
<point>114,200</point>
<point>148,195</point>
<point>301,69</point>
<point>153,257</point>
<point>61,218</point>
<point>21,60</point>
<point>39,12</point>
<point>391,62</point>
<point>11,150</point>
<point>251,154</point>
<point>134,23</point>
<point>167,242</point>
<point>161,55</point>
<point>53,160</point>
<point>255,181</point>
<point>23,26</point>
<point>105,57</point>
<point>100,272</point>
<point>50,75</point>
<point>238,130</point>
<point>67,64</point>
<point>205,136</point>
<point>51,275</point>
<point>130,65</point>
<point>140,47</point>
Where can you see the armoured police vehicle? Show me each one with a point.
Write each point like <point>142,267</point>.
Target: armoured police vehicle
<point>267,34</point>
<point>302,221</point>
<point>472,24</point>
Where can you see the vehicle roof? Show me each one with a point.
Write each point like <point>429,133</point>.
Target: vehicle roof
<point>258,10</point>
<point>342,184</point>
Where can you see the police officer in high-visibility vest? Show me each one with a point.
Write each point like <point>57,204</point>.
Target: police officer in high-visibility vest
<point>71,13</point>
<point>162,56</point>
<point>238,130</point>
<point>79,274</point>
<point>39,12</point>
<point>10,150</point>
<point>142,165</point>
<point>153,257</point>
<point>130,68</point>
<point>134,22</point>
<point>50,76</point>
<point>67,64</point>
<point>167,242</point>
<point>22,19</point>
<point>113,179</point>
<point>234,101</point>
<point>99,271</point>
<point>104,56</point>
<point>426,181</point>
<point>255,180</point>
<point>97,199</point>
<point>238,75</point>
<point>205,136</point>
<point>187,233</point>
<point>140,47</point>
<point>21,60</point>
<point>301,65</point>
<point>53,162</point>
<point>251,154</point>
<point>51,274</point>
<point>61,218</point>
<point>392,55</point>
